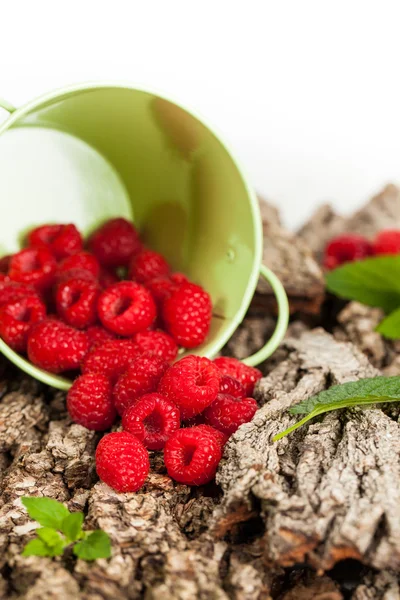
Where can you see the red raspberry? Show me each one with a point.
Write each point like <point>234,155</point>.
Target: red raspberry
<point>89,402</point>
<point>221,438</point>
<point>248,376</point>
<point>98,336</point>
<point>192,384</point>
<point>157,343</point>
<point>10,291</point>
<point>387,242</point>
<point>159,416</point>
<point>107,278</point>
<point>5,264</point>
<point>82,260</point>
<point>187,315</point>
<point>34,266</point>
<point>346,248</point>
<point>126,308</point>
<point>142,377</point>
<point>122,462</point>
<point>17,318</point>
<point>227,413</point>
<point>62,276</point>
<point>60,240</point>
<point>192,456</point>
<point>56,347</point>
<point>4,278</point>
<point>232,386</point>
<point>179,278</point>
<point>148,265</point>
<point>160,288</point>
<point>196,420</point>
<point>115,243</point>
<point>111,358</point>
<point>76,302</point>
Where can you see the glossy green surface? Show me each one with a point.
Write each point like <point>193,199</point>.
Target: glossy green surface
<point>88,153</point>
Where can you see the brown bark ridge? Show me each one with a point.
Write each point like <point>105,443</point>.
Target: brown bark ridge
<point>381,212</point>
<point>329,491</point>
<point>290,258</point>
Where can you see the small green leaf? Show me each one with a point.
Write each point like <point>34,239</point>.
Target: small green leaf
<point>46,511</point>
<point>72,526</point>
<point>390,327</point>
<point>373,281</point>
<point>363,392</point>
<point>96,545</point>
<point>52,539</point>
<point>36,547</point>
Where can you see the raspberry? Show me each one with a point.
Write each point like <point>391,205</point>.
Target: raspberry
<point>179,278</point>
<point>126,308</point>
<point>232,386</point>
<point>107,278</point>
<point>157,343</point>
<point>196,420</point>
<point>56,347</point>
<point>34,266</point>
<point>192,384</point>
<point>111,358</point>
<point>76,302</point>
<point>89,402</point>
<point>60,240</point>
<point>98,336</point>
<point>227,413</point>
<point>221,438</point>
<point>387,242</point>
<point>115,243</point>
<point>5,264</point>
<point>346,248</point>
<point>82,260</point>
<point>187,315</point>
<point>142,377</point>
<point>10,291</point>
<point>192,456</point>
<point>148,265</point>
<point>17,318</point>
<point>248,376</point>
<point>160,288</point>
<point>122,462</point>
<point>4,278</point>
<point>159,416</point>
<point>62,276</point>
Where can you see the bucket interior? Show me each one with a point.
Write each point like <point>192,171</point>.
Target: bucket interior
<point>92,154</point>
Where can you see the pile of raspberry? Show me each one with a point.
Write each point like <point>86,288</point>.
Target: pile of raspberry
<point>69,305</point>
<point>351,247</point>
<point>188,410</point>
<point>112,315</point>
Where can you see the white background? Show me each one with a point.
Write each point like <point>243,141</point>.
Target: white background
<point>306,92</point>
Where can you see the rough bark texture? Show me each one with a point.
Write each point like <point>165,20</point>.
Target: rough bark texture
<point>291,260</point>
<point>329,491</point>
<point>381,212</point>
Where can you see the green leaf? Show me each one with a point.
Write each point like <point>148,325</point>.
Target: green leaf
<point>373,281</point>
<point>363,392</point>
<point>96,545</point>
<point>46,511</point>
<point>390,327</point>
<point>52,539</point>
<point>36,547</point>
<point>72,526</point>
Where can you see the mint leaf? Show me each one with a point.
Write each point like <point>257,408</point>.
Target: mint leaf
<point>52,539</point>
<point>96,545</point>
<point>390,327</point>
<point>46,511</point>
<point>36,547</point>
<point>355,393</point>
<point>72,526</point>
<point>373,281</point>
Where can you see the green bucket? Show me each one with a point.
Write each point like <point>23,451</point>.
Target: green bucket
<point>86,153</point>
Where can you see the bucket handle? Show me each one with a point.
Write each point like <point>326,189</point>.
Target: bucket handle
<point>281,324</point>
<point>7,106</point>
